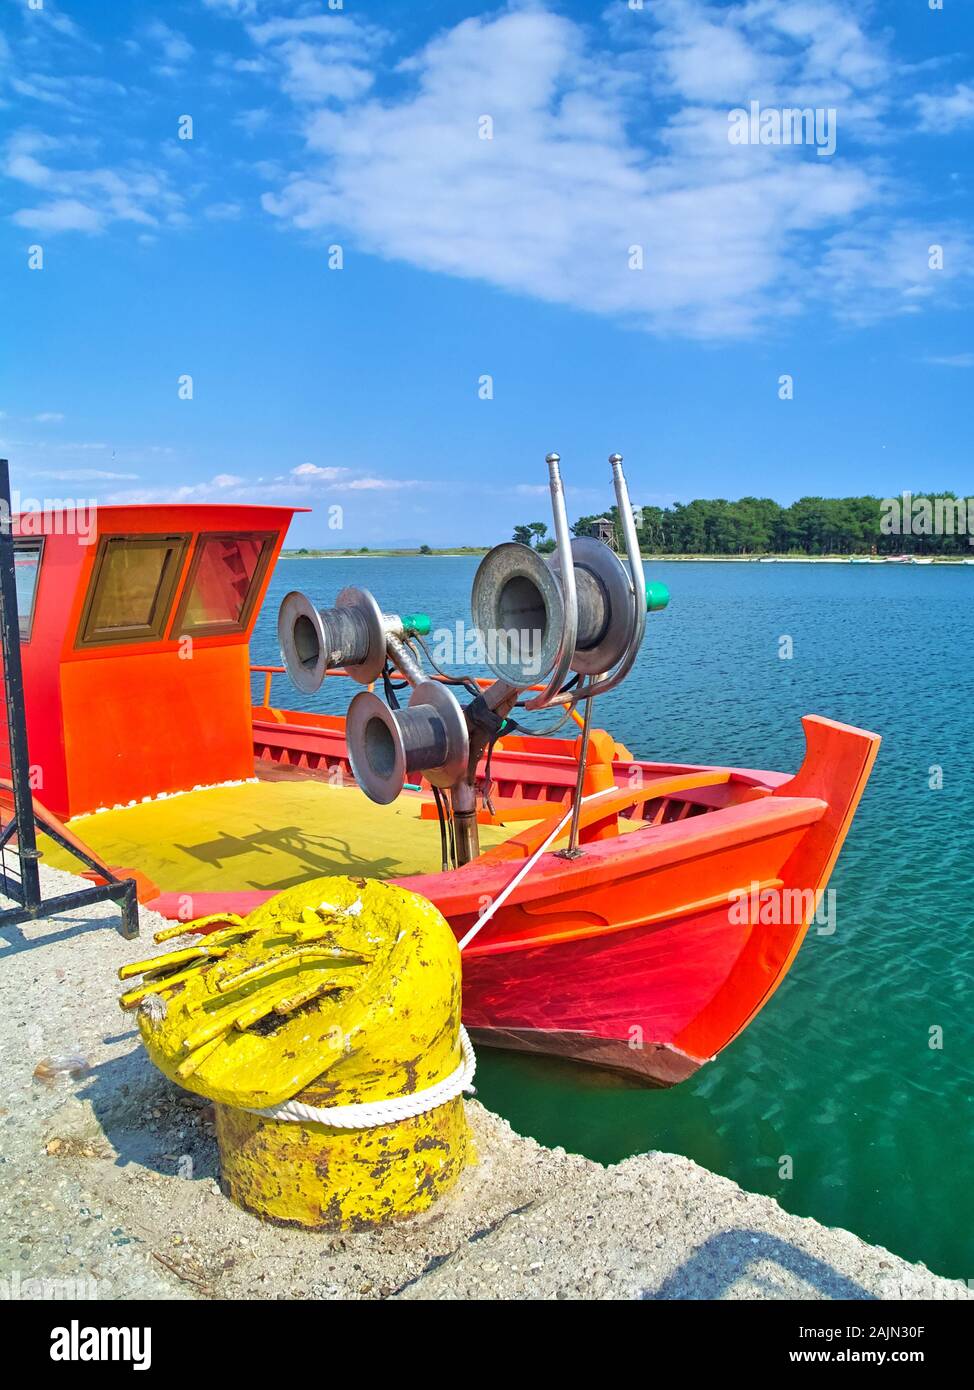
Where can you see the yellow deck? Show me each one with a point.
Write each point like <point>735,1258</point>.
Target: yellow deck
<point>269,835</point>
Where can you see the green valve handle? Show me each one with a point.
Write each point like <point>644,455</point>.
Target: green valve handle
<point>657,596</point>
<point>420,623</point>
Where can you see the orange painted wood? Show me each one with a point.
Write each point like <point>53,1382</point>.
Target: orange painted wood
<point>115,722</point>
<point>523,845</point>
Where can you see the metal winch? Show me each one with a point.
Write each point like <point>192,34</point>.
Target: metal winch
<point>556,633</point>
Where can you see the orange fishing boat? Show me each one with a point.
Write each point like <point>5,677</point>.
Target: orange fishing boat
<point>611,910</point>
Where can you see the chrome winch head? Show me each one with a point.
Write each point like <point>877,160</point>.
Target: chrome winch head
<point>519,612</point>
<point>313,640</point>
<point>518,604</point>
<point>606,611</point>
<point>388,746</point>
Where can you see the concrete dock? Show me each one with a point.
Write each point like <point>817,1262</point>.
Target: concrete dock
<point>110,1186</point>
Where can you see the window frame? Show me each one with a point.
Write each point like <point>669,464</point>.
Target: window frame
<point>229,627</point>
<point>168,583</point>
<point>23,544</point>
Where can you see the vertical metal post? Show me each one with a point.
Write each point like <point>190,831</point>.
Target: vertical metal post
<point>572,852</point>
<point>463,796</point>
<point>128,904</point>
<point>14,697</point>
<point>569,634</point>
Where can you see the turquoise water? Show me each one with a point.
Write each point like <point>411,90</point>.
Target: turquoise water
<point>837,1072</point>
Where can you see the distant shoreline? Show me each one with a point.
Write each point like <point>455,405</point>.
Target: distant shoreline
<point>655,559</point>
<point>383,554</point>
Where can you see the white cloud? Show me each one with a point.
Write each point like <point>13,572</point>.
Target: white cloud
<point>959,359</point>
<point>337,30</point>
<point>947,112</point>
<point>303,483</point>
<point>552,204</point>
<point>312,76</point>
<point>779,52</point>
<point>60,215</point>
<point>85,200</point>
<point>80,475</point>
<point>379,484</point>
<point>603,155</point>
<point>49,417</point>
<point>609,142</point>
<point>60,23</point>
<point>63,92</point>
<point>232,7</point>
<point>253,120</point>
<point>313,471</point>
<point>876,270</point>
<point>322,57</point>
<point>222,212</point>
<point>175,47</point>
<point>705,56</point>
<point>38,87</point>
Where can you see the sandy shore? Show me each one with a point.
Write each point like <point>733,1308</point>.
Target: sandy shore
<point>110,1187</point>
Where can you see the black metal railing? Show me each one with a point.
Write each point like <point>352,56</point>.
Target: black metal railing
<point>20,879</point>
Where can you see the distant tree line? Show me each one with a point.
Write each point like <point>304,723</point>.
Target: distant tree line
<point>535,533</point>
<point>922,523</point>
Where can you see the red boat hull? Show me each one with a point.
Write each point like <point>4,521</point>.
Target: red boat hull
<point>651,951</point>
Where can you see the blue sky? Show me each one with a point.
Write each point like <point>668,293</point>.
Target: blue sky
<point>463,257</point>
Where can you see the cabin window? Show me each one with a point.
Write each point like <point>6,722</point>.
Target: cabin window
<point>27,566</point>
<point>131,589</point>
<point>224,579</point>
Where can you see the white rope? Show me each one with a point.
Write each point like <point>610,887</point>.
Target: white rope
<point>526,868</point>
<point>371,1113</point>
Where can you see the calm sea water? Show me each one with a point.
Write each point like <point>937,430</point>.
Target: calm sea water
<point>837,1072</point>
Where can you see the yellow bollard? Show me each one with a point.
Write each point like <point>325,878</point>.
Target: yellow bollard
<point>340,992</point>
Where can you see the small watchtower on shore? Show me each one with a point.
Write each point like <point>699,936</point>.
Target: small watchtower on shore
<point>603,530</point>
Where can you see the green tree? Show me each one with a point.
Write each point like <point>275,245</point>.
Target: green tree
<point>531,534</point>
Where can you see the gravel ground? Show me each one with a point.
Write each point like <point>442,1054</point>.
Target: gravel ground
<point>110,1186</point>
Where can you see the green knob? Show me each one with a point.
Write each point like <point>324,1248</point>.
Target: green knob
<point>657,596</point>
<point>420,623</point>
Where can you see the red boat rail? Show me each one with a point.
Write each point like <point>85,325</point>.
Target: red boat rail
<point>269,672</point>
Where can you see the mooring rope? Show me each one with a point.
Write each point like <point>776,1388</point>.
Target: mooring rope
<point>371,1113</point>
